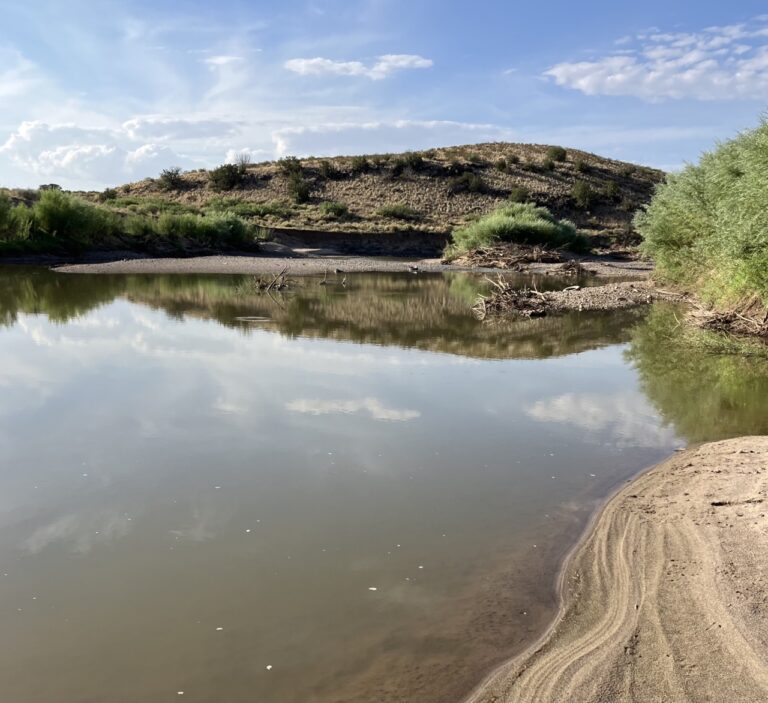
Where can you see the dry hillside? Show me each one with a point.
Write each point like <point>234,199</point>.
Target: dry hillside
<point>432,191</point>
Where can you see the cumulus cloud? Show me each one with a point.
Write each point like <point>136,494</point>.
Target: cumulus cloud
<point>84,157</point>
<point>627,417</point>
<point>384,66</point>
<point>372,407</point>
<point>718,63</point>
<point>400,135</point>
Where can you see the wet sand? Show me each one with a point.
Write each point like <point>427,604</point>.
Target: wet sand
<point>665,599</point>
<point>313,265</point>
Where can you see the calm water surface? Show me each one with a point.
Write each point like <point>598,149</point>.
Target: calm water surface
<point>339,494</point>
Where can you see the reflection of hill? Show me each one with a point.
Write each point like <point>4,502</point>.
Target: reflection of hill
<point>424,312</point>
<point>706,396</point>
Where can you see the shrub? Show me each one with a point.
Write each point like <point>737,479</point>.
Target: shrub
<point>519,194</point>
<point>455,167</point>
<point>50,186</point>
<point>289,165</point>
<point>582,194</point>
<point>413,160</point>
<point>107,194</point>
<point>476,159</point>
<point>707,226</point>
<point>226,177</point>
<point>328,170</point>
<point>522,223</point>
<point>611,191</point>
<point>501,165</point>
<point>580,166</point>
<point>398,167</point>
<point>513,159</point>
<point>468,182</point>
<point>627,171</point>
<point>359,164</point>
<point>548,164</point>
<point>557,153</point>
<point>399,212</point>
<point>170,178</point>
<point>299,188</point>
<point>334,211</point>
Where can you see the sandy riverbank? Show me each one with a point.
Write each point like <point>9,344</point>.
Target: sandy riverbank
<point>310,265</point>
<point>666,599</point>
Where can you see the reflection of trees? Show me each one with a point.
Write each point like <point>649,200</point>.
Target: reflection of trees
<point>706,396</point>
<point>423,312</point>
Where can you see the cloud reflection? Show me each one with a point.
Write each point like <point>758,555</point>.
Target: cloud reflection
<point>373,407</point>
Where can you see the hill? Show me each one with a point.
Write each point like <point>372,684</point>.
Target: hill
<point>430,192</point>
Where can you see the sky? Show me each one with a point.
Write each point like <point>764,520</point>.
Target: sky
<point>95,94</point>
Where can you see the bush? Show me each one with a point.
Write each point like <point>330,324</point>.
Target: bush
<point>627,171</point>
<point>513,159</point>
<point>583,195</point>
<point>580,166</point>
<point>360,164</point>
<point>468,182</point>
<point>108,194</point>
<point>413,160</point>
<point>707,226</point>
<point>289,165</point>
<point>328,170</point>
<point>170,178</point>
<point>501,165</point>
<point>475,159</point>
<point>399,212</point>
<point>611,191</point>
<point>519,194</point>
<point>226,177</point>
<point>299,188</point>
<point>522,223</point>
<point>334,211</point>
<point>548,164</point>
<point>557,153</point>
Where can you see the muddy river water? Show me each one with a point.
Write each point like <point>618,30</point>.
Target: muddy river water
<point>339,493</point>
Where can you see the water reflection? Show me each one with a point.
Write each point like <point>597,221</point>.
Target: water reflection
<point>187,498</point>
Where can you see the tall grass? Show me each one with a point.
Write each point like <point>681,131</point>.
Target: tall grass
<point>707,227</point>
<point>522,223</point>
<point>60,222</point>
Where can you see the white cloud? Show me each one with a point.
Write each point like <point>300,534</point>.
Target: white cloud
<point>627,417</point>
<point>717,63</point>
<point>161,128</point>
<point>18,75</point>
<point>222,60</point>
<point>384,66</point>
<point>370,406</point>
<point>84,157</point>
<point>366,137</point>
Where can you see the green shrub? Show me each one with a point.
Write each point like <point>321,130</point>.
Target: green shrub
<point>548,164</point>
<point>399,212</point>
<point>226,177</point>
<point>707,226</point>
<point>334,211</point>
<point>557,153</point>
<point>627,171</point>
<point>299,188</point>
<point>328,170</point>
<point>475,159</point>
<point>289,165</point>
<point>413,160</point>
<point>611,191</point>
<point>519,194</point>
<point>580,166</point>
<point>582,194</point>
<point>170,179</point>
<point>513,159</point>
<point>360,164</point>
<point>65,217</point>
<point>107,195</point>
<point>522,223</point>
<point>468,182</point>
<point>398,167</point>
<point>501,165</point>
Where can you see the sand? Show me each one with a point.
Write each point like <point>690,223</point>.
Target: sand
<point>665,599</point>
<point>312,265</point>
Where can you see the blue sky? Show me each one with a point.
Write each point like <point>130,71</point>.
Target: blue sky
<point>99,93</point>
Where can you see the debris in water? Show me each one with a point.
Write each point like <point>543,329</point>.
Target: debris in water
<point>269,667</point>
<point>372,588</point>
<point>219,629</point>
